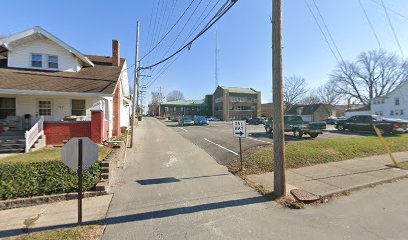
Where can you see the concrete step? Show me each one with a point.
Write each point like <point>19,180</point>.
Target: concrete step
<point>12,150</point>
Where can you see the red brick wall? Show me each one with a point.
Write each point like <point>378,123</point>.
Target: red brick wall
<point>116,111</point>
<point>97,123</point>
<point>57,133</point>
<point>106,130</point>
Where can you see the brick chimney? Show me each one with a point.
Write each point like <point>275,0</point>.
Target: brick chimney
<point>115,53</point>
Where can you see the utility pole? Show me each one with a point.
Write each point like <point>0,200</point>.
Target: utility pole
<point>277,82</point>
<point>216,59</point>
<point>136,84</point>
<point>141,98</point>
<point>160,98</point>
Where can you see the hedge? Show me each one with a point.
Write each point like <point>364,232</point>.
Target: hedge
<point>27,179</point>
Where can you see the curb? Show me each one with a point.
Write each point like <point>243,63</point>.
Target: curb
<point>363,186</point>
<point>27,202</point>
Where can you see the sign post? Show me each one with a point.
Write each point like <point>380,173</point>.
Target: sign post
<point>239,131</point>
<point>79,172</point>
<point>78,154</point>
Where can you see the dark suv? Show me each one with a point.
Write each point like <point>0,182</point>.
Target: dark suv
<point>367,123</point>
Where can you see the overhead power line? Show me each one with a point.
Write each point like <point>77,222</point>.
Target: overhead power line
<point>390,9</point>
<point>196,25</point>
<point>328,31</point>
<point>392,28</point>
<point>321,30</point>
<point>208,26</point>
<point>167,33</point>
<point>370,24</point>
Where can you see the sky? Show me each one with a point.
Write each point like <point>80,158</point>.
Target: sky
<point>244,37</point>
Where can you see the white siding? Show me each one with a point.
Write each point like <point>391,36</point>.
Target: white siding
<point>20,55</point>
<point>389,103</point>
<point>356,113</point>
<point>61,106</point>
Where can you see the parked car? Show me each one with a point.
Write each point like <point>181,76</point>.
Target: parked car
<point>368,122</point>
<point>331,121</point>
<point>186,121</point>
<point>213,119</point>
<point>255,121</point>
<point>200,121</point>
<point>175,119</point>
<point>299,127</point>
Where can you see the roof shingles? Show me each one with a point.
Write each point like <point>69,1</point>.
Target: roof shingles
<point>101,78</point>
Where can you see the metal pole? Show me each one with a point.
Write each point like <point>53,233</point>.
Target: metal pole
<point>240,152</point>
<point>79,172</point>
<point>136,82</point>
<point>278,108</point>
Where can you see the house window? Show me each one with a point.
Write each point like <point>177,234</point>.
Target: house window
<point>175,109</point>
<point>382,101</point>
<point>401,112</point>
<point>78,108</point>
<point>392,112</point>
<point>44,107</point>
<point>7,107</point>
<point>53,62</point>
<point>36,60</point>
<point>397,102</point>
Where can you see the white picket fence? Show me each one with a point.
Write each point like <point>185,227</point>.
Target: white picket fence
<point>33,134</point>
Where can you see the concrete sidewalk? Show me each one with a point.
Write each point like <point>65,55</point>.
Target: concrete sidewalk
<point>336,177</point>
<point>54,215</point>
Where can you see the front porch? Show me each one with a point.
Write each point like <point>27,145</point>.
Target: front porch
<point>26,118</point>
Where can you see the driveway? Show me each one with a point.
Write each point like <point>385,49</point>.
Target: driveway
<point>170,188</point>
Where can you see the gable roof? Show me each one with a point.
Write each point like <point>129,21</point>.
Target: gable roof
<point>185,103</point>
<point>307,109</point>
<point>5,42</point>
<point>100,79</point>
<point>240,90</point>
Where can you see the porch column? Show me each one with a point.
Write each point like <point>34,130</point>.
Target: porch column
<point>97,126</point>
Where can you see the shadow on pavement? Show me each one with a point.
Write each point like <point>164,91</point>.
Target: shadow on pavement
<point>154,181</point>
<point>152,214</point>
<point>269,136</point>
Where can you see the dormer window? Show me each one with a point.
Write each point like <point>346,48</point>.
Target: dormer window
<point>53,62</point>
<point>36,60</point>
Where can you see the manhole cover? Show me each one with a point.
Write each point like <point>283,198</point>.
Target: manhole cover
<point>304,196</point>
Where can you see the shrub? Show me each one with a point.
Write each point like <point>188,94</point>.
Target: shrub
<point>27,179</point>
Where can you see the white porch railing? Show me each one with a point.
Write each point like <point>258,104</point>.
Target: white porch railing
<point>33,134</point>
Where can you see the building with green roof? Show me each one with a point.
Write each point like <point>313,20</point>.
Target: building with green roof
<point>185,107</point>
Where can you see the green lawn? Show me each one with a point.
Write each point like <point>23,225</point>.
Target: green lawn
<point>51,154</point>
<point>91,232</point>
<point>307,153</point>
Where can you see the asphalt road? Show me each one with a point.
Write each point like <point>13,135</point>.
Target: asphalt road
<point>171,189</point>
<point>216,138</point>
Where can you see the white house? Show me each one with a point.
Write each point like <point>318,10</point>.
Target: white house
<point>49,88</point>
<point>392,105</point>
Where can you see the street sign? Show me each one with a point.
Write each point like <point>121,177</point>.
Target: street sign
<point>239,129</point>
<point>79,153</point>
<point>70,153</point>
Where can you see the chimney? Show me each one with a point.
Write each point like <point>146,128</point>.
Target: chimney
<point>115,53</point>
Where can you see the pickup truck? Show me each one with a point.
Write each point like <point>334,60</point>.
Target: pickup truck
<point>367,123</point>
<point>299,127</point>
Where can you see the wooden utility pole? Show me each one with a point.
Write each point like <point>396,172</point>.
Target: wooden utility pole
<point>278,128</point>
<point>136,85</point>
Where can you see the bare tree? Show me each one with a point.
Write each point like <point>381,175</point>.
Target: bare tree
<point>312,98</point>
<point>175,95</point>
<point>294,90</point>
<point>157,99</point>
<point>328,94</point>
<point>373,74</point>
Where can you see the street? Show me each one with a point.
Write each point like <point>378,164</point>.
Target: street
<point>169,188</point>
<point>216,138</point>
